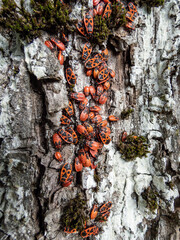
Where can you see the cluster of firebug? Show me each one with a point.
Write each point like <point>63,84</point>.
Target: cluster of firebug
<point>54,44</point>
<point>104,8</point>
<point>93,129</point>
<point>100,215</point>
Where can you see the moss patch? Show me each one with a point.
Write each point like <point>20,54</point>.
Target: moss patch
<point>133,147</point>
<point>152,3</point>
<point>96,178</point>
<point>118,16</point>
<point>101,30</point>
<point>149,3</point>
<point>125,113</point>
<point>151,197</point>
<point>74,214</point>
<point>47,15</point>
<point>171,185</point>
<point>52,16</point>
<point>95,190</point>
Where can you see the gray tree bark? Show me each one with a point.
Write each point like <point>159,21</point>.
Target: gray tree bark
<point>33,92</point>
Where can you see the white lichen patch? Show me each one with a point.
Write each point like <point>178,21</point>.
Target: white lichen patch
<point>88,181</point>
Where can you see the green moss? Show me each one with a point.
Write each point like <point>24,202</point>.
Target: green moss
<point>118,16</point>
<point>96,178</point>
<point>15,70</point>
<point>95,190</point>
<point>101,30</point>
<point>152,3</point>
<point>47,15</point>
<point>53,16</point>
<point>151,197</point>
<point>171,185</point>
<point>163,97</point>
<point>149,3</point>
<point>74,214</point>
<point>133,147</point>
<point>177,132</point>
<point>125,113</point>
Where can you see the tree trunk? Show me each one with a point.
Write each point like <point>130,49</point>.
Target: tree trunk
<point>33,93</point>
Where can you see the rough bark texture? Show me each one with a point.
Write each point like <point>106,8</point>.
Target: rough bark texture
<point>33,93</point>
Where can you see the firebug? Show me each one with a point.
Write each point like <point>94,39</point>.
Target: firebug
<point>107,10</point>
<point>93,62</point>
<point>65,120</point>
<point>70,109</point>
<point>73,133</point>
<point>105,207</point>
<point>105,138</point>
<point>92,91</point>
<point>87,49</point>
<point>78,165</point>
<point>68,181</point>
<point>66,136</point>
<point>58,156</point>
<point>95,109</point>
<point>94,212</point>
<point>82,130</point>
<point>130,25</point>
<point>106,85</point>
<point>58,43</point>
<point>68,230</point>
<point>89,23</point>
<point>82,155</point>
<point>95,73</point>
<point>103,74</point>
<point>49,45</point>
<point>61,58</point>
<point>57,140</point>
<point>112,118</point>
<point>95,2</point>
<point>88,127</point>
<point>97,119</point>
<point>124,136</point>
<point>84,114</point>
<point>70,76</point>
<point>103,98</point>
<point>86,91</point>
<point>100,8</point>
<point>93,145</point>
<point>83,104</point>
<point>100,90</point>
<point>91,115</point>
<point>81,28</point>
<point>65,172</point>
<point>90,231</point>
<point>89,72</point>
<point>78,96</point>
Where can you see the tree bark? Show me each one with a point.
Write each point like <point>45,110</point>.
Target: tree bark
<point>33,93</point>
